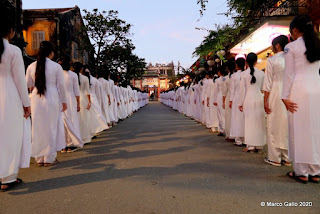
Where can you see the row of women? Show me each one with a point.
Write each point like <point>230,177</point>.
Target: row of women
<point>278,107</point>
<point>67,108</point>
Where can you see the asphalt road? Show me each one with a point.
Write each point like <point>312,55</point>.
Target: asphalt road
<point>158,161</point>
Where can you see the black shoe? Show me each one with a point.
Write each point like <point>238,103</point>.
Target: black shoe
<point>72,149</point>
<point>221,134</point>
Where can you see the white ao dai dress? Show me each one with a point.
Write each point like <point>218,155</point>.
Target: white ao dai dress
<point>277,120</point>
<point>48,134</point>
<point>70,116</point>
<point>302,86</point>
<point>13,96</point>
<point>251,98</point>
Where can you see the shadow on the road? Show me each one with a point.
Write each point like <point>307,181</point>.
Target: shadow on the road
<point>146,130</point>
<point>120,154</point>
<point>110,172</point>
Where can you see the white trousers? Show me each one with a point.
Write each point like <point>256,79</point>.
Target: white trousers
<point>239,140</point>
<point>276,154</point>
<point>304,169</point>
<point>9,179</point>
<point>221,118</point>
<point>46,159</point>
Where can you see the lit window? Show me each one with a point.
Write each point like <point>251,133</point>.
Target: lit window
<point>37,38</point>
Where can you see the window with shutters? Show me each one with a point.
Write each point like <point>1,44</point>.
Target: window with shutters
<point>85,57</point>
<point>37,38</point>
<point>75,51</point>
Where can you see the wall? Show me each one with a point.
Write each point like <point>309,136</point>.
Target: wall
<point>49,27</point>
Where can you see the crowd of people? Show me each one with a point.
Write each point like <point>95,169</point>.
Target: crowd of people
<point>53,107</point>
<point>251,107</point>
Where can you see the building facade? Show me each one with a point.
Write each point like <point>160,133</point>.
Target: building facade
<point>63,27</point>
<point>155,79</point>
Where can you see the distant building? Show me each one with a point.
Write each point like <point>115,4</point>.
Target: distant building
<point>155,79</point>
<point>63,27</point>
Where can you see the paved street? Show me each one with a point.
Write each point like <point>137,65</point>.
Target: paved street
<point>158,162</point>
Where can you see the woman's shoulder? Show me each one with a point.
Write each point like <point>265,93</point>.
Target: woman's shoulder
<point>291,46</point>
<point>13,50</point>
<point>83,77</point>
<point>54,65</point>
<point>73,75</point>
<point>32,66</point>
<point>245,73</point>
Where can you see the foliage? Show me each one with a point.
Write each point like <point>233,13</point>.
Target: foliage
<point>245,15</point>
<point>105,30</point>
<point>113,48</point>
<point>217,40</point>
<point>121,62</point>
<point>245,9</point>
<point>203,4</point>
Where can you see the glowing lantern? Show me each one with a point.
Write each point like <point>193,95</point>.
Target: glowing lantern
<point>210,62</point>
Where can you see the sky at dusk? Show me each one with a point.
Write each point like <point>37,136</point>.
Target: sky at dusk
<point>163,31</point>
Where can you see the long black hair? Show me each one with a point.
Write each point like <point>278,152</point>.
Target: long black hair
<point>45,50</point>
<point>6,25</point>
<point>241,63</point>
<point>282,40</point>
<point>222,70</point>
<point>87,74</point>
<point>251,60</point>
<point>231,67</point>
<point>66,63</point>
<point>100,73</point>
<point>304,24</point>
<point>77,68</point>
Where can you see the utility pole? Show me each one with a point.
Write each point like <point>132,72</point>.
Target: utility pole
<point>178,67</point>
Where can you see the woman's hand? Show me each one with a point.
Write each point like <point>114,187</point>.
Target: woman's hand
<point>88,106</point>
<point>64,107</point>
<point>266,108</point>
<point>27,112</point>
<point>78,107</point>
<point>216,104</point>
<point>230,104</point>
<point>241,108</point>
<point>224,106</point>
<point>291,106</point>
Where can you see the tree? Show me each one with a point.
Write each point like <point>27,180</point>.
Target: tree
<point>245,12</point>
<point>246,15</point>
<point>121,61</point>
<point>113,48</point>
<point>218,39</point>
<point>105,30</point>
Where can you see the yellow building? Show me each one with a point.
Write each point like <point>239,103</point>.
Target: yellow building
<point>63,27</point>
